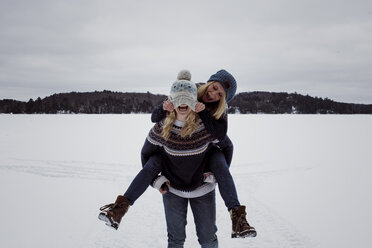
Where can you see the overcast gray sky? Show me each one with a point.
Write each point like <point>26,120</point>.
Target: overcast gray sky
<point>316,47</point>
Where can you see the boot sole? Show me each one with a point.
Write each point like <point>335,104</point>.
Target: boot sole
<point>108,221</point>
<point>248,234</point>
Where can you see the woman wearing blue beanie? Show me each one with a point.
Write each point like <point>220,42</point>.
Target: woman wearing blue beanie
<point>228,83</point>
<point>213,97</point>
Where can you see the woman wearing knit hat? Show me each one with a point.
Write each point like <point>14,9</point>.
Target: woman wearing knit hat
<point>176,147</point>
<point>213,97</point>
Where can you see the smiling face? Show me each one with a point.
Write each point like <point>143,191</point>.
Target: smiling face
<point>182,112</point>
<point>214,93</point>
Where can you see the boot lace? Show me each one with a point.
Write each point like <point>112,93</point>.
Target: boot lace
<point>108,206</point>
<point>111,206</point>
<point>242,220</point>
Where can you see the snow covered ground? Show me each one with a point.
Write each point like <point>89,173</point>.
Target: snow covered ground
<point>306,181</point>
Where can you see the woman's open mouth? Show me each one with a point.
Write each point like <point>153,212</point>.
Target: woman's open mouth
<point>183,108</point>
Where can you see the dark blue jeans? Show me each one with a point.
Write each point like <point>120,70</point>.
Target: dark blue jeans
<point>216,162</point>
<point>204,211</point>
<point>144,178</point>
<point>218,165</point>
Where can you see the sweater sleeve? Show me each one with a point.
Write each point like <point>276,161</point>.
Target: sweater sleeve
<point>158,114</point>
<point>217,128</point>
<point>147,151</point>
<point>227,149</point>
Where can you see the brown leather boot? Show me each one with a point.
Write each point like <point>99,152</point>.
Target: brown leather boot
<point>240,226</point>
<point>112,213</point>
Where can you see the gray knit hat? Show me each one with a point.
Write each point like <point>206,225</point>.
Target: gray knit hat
<point>227,81</point>
<point>183,91</point>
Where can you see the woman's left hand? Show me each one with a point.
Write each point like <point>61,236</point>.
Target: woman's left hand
<point>199,107</point>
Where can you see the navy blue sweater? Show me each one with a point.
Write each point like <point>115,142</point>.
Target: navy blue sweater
<point>217,128</point>
<point>184,158</point>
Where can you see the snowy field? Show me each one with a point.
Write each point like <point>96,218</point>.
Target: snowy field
<point>306,181</point>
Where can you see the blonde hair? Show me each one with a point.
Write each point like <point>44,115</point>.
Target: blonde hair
<point>191,124</point>
<point>220,109</point>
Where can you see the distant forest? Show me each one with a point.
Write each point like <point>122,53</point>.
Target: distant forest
<point>108,102</point>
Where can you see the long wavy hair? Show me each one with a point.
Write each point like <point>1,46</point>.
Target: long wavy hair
<point>217,110</point>
<point>191,124</point>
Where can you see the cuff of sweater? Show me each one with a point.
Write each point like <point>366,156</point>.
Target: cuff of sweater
<point>209,177</point>
<point>159,181</point>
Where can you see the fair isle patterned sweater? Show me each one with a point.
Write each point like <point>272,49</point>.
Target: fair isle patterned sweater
<point>184,158</point>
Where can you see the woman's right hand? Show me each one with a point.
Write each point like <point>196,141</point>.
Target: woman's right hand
<point>164,188</point>
<point>168,106</point>
<point>199,107</point>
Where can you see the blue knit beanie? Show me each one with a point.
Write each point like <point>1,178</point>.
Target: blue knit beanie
<point>227,81</point>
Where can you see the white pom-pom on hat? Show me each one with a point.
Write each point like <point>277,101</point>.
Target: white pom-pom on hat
<point>184,75</point>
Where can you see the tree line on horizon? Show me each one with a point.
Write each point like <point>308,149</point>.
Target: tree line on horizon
<point>108,102</point>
